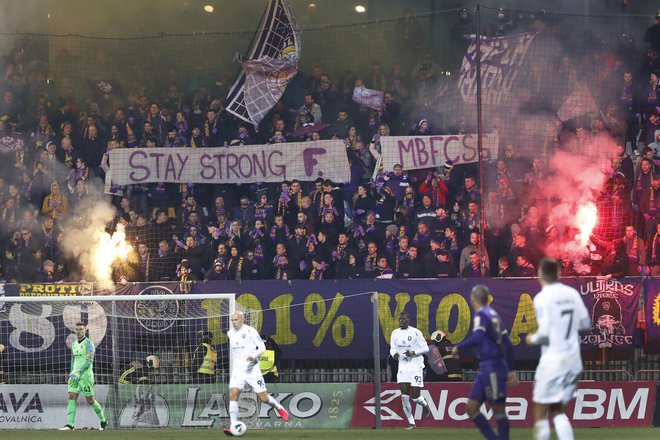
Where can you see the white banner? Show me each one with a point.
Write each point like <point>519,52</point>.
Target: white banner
<point>45,407</point>
<point>500,59</point>
<point>243,164</point>
<point>418,152</point>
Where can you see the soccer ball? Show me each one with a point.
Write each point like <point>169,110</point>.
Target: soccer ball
<point>237,429</point>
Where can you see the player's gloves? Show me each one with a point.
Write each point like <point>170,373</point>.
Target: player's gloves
<point>74,376</point>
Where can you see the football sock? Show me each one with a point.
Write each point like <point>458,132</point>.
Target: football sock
<point>542,430</point>
<point>563,427</point>
<point>502,426</point>
<point>274,403</point>
<point>71,413</point>
<point>420,401</point>
<point>233,410</point>
<point>407,408</point>
<point>483,426</point>
<point>96,406</point>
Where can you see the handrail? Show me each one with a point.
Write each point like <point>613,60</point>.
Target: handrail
<point>639,372</point>
<point>624,371</point>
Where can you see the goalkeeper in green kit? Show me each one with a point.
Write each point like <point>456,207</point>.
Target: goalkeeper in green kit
<point>81,377</point>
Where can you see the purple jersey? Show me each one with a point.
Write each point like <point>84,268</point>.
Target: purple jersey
<point>495,354</point>
<point>489,338</point>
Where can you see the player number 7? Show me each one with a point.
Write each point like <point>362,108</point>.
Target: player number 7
<point>570,321</point>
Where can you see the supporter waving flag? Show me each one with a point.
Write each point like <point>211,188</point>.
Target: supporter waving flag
<point>271,64</point>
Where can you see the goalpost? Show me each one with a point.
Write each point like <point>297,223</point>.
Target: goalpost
<point>147,373</point>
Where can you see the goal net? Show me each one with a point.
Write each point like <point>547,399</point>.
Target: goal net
<point>160,360</point>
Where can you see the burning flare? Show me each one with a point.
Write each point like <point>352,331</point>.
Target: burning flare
<point>585,220</point>
<point>106,250</point>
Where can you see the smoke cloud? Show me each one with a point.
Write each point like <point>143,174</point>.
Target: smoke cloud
<point>87,239</point>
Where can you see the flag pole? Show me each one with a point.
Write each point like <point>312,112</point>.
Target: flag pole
<point>482,183</point>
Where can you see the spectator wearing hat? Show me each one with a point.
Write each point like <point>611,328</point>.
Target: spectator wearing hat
<point>48,273</point>
<point>436,243</point>
<point>443,351</point>
<point>217,272</point>
<point>438,265</point>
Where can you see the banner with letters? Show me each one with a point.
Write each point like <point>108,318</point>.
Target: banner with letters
<point>307,319</point>
<point>597,405</point>
<point>501,58</point>
<point>245,164</point>
<point>418,152</point>
<point>652,313</point>
<point>45,407</point>
<point>310,405</point>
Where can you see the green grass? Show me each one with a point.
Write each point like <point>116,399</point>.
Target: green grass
<point>363,434</point>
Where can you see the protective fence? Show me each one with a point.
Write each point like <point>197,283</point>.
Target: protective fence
<point>533,129</point>
<point>548,114</point>
<point>162,361</point>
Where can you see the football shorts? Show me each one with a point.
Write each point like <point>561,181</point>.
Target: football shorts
<point>490,384</point>
<point>84,386</point>
<point>414,377</point>
<point>555,385</point>
<point>253,378</point>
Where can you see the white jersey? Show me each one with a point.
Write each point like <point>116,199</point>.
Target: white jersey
<point>406,339</point>
<point>561,314</point>
<point>245,342</point>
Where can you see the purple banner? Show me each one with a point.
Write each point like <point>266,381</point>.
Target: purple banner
<point>315,320</point>
<point>652,313</point>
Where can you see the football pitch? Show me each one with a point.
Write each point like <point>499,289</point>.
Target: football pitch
<point>320,434</point>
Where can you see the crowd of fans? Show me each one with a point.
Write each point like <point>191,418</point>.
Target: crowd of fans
<point>417,224</point>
